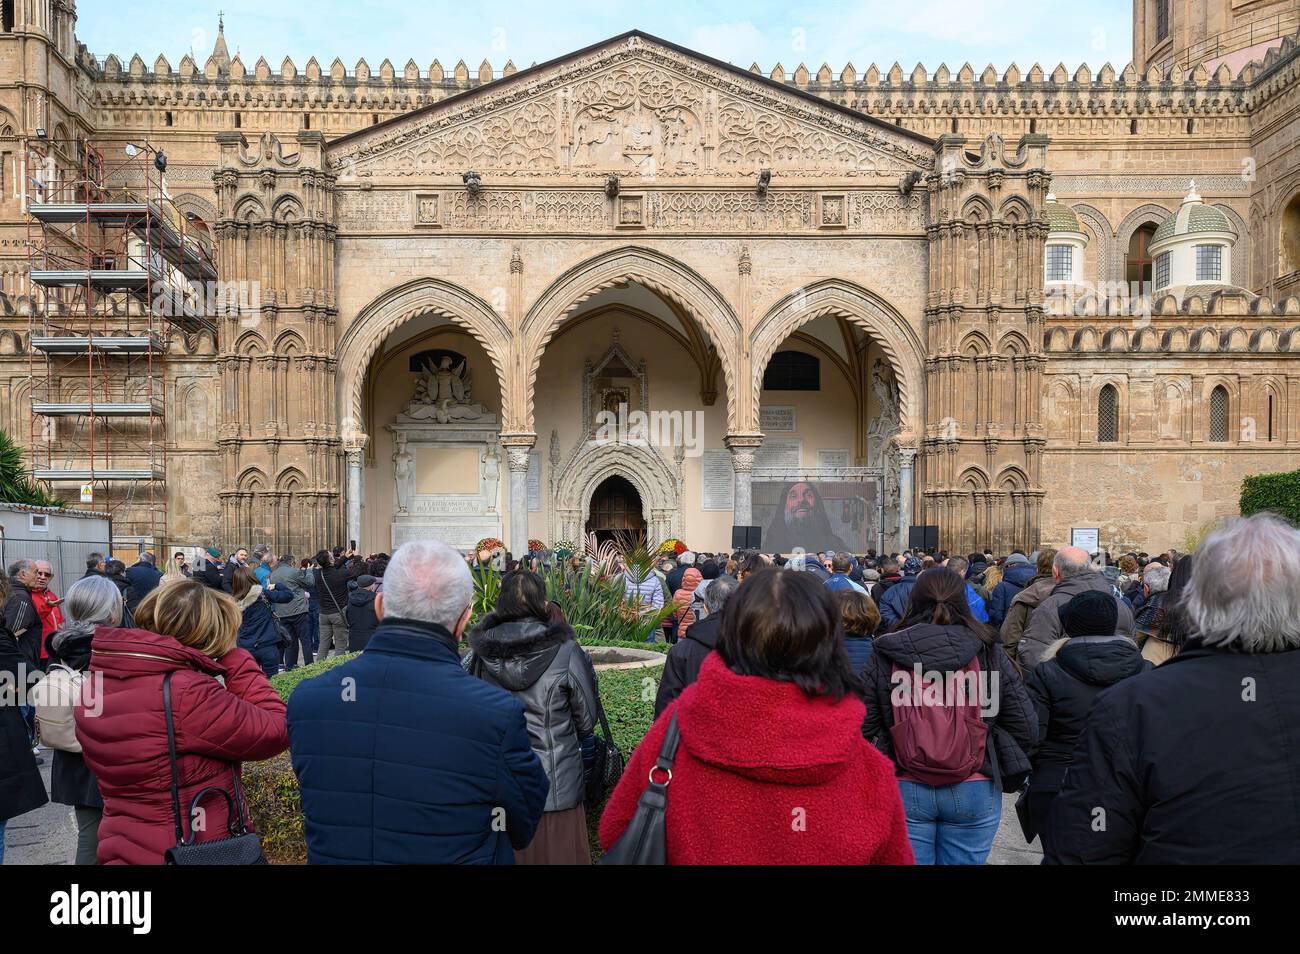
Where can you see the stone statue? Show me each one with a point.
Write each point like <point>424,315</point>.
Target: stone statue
<point>886,388</point>
<point>886,423</point>
<point>403,468</point>
<point>443,394</point>
<point>491,478</point>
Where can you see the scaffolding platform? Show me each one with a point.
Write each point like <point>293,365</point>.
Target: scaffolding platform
<point>145,220</point>
<point>81,345</point>
<point>98,408</point>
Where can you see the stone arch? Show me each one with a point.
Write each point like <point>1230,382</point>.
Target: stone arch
<point>249,209</point>
<point>189,202</point>
<point>1012,477</point>
<point>290,344</point>
<point>1240,248</point>
<point>640,465</point>
<point>377,320</point>
<point>663,275</point>
<point>897,338</point>
<point>1142,215</point>
<point>1100,225</point>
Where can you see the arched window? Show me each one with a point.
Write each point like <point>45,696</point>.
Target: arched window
<point>1108,415</point>
<point>1138,263</point>
<point>1219,414</point>
<point>1289,239</point>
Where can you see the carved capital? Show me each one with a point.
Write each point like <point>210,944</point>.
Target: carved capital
<point>742,462</point>
<point>517,459</point>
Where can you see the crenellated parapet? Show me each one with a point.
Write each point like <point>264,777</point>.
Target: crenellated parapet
<point>920,92</point>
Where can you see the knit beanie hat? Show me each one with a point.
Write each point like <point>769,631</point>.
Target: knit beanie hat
<point>1090,614</point>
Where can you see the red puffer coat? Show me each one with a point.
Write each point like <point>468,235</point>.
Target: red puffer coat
<point>125,742</point>
<point>766,775</point>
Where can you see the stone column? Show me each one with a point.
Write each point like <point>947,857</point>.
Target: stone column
<point>906,457</point>
<point>517,448</point>
<point>744,448</point>
<point>356,488</point>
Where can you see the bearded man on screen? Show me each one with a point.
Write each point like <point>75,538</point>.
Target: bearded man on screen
<point>801,521</point>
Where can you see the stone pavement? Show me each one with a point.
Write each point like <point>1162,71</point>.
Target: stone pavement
<point>48,836</point>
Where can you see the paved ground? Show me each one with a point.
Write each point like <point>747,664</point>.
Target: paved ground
<point>48,836</point>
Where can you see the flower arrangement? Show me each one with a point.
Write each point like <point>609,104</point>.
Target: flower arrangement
<point>672,547</point>
<point>536,546</point>
<point>487,543</point>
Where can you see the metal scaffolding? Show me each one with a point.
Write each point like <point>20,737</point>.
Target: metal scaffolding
<point>112,264</point>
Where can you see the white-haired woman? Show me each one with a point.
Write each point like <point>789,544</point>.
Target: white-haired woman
<point>1195,761</point>
<point>91,601</point>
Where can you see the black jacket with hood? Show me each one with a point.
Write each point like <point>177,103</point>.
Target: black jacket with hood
<point>945,649</point>
<point>1072,673</point>
<point>360,614</point>
<point>543,666</point>
<point>682,667</point>
<point>71,780</point>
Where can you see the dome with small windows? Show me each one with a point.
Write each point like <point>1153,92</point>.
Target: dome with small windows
<point>1193,216</point>
<point>1066,245</point>
<point>1191,251</point>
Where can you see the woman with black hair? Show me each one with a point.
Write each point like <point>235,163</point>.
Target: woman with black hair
<point>772,767</point>
<point>946,703</point>
<point>521,649</point>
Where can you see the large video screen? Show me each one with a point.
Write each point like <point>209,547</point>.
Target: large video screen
<point>817,515</point>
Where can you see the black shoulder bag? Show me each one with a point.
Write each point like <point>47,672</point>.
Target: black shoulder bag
<point>607,768</point>
<point>243,847</point>
<point>645,841</point>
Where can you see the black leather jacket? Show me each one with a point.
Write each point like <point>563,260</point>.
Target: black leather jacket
<point>552,676</point>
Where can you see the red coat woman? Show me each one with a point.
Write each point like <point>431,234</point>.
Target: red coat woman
<point>123,730</point>
<point>772,767</point>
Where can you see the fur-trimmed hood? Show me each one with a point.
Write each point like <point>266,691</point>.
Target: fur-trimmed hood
<point>70,644</point>
<point>516,651</point>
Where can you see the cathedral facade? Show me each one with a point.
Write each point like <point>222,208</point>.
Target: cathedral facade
<point>636,288</point>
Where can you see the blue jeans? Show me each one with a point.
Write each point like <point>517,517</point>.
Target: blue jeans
<point>2,841</point>
<point>951,824</point>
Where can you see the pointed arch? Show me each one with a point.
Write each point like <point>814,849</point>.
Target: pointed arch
<point>1149,213</point>
<point>666,276</point>
<point>886,325</point>
<point>385,314</point>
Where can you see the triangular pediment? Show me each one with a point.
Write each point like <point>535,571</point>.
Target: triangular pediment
<point>633,106</point>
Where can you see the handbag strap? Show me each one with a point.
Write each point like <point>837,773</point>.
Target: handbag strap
<point>238,797</point>
<point>668,749</point>
<point>171,756</point>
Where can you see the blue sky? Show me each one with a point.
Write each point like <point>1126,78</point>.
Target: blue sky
<point>809,31</point>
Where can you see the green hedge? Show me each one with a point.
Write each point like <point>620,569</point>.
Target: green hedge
<point>272,789</point>
<point>1276,492</point>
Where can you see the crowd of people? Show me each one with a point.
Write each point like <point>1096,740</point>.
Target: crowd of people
<point>830,708</point>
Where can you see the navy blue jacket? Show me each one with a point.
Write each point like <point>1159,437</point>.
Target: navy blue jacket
<point>257,630</point>
<point>893,605</point>
<point>859,650</point>
<point>1015,579</point>
<point>403,757</point>
<point>143,578</point>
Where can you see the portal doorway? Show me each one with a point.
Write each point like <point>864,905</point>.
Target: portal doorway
<point>615,510</point>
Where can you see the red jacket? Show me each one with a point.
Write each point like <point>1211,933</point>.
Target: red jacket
<point>766,775</point>
<point>125,742</point>
<point>51,616</point>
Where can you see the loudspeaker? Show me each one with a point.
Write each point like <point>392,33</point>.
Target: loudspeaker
<point>746,538</point>
<point>925,537</point>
